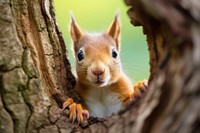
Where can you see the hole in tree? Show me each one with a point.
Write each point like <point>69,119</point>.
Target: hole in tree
<point>90,17</point>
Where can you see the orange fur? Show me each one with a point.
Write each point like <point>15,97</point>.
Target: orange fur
<point>101,83</point>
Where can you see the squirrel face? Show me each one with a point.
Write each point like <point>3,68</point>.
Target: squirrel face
<point>97,55</point>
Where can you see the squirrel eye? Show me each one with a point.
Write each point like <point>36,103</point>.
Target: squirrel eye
<point>80,55</point>
<point>114,53</point>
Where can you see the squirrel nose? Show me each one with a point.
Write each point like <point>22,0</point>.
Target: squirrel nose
<point>98,72</point>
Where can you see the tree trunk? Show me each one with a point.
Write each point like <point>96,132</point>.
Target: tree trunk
<point>34,70</point>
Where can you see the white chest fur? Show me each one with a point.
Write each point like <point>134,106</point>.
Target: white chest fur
<point>102,102</point>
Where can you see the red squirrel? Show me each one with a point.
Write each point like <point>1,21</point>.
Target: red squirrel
<point>101,82</point>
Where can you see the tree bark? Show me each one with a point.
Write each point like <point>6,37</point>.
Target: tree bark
<point>34,70</point>
<point>33,64</point>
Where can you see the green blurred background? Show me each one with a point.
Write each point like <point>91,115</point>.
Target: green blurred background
<point>96,16</point>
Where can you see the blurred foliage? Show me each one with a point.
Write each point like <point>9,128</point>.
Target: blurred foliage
<point>95,16</point>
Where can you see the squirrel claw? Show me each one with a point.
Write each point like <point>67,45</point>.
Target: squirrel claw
<point>67,103</point>
<point>86,113</point>
<point>140,88</point>
<point>76,111</point>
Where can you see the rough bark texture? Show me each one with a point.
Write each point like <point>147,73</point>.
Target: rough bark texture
<point>33,64</point>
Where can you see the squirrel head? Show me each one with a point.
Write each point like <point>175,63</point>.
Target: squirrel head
<point>97,54</point>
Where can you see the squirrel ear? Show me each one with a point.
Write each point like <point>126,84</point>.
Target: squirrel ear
<point>114,30</point>
<point>75,31</point>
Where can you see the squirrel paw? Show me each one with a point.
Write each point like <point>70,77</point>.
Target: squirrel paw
<point>140,88</point>
<point>76,111</point>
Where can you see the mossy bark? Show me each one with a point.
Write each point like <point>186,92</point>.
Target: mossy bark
<point>34,70</point>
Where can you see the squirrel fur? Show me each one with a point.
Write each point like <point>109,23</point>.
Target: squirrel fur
<point>101,82</point>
